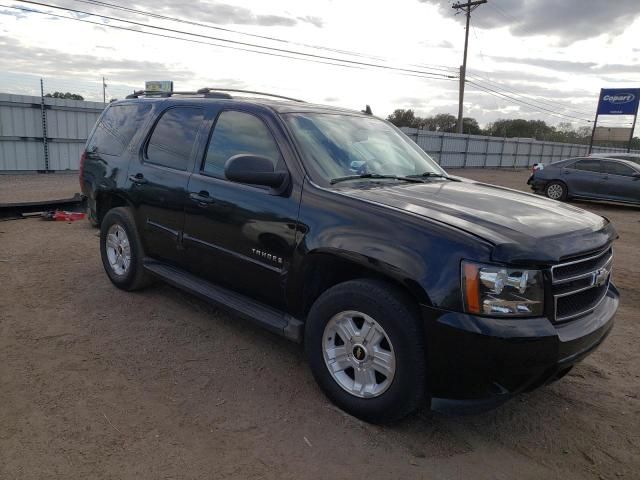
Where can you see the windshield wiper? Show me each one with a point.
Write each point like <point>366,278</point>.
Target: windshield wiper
<point>375,176</point>
<point>432,175</point>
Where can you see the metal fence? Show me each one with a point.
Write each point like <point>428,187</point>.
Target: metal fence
<point>47,134</point>
<point>43,134</point>
<point>456,150</point>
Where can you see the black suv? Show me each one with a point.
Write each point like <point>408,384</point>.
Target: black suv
<point>407,286</point>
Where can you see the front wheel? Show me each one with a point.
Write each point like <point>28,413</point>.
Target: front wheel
<point>366,350</point>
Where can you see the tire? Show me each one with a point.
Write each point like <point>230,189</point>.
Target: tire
<point>126,275</point>
<point>556,191</point>
<point>389,397</point>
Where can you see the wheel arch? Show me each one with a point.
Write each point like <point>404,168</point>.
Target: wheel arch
<point>106,201</point>
<point>324,268</point>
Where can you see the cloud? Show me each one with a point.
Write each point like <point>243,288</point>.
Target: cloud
<point>315,21</point>
<point>571,66</point>
<point>203,11</point>
<point>220,13</point>
<point>13,13</point>
<point>437,44</point>
<point>569,20</point>
<point>18,57</point>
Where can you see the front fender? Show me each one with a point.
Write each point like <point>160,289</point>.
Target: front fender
<point>424,256</point>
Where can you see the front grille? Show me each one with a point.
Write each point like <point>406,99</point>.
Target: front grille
<point>580,285</point>
<point>584,267</point>
<point>581,302</point>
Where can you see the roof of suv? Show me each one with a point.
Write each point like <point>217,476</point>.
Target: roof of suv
<point>279,105</point>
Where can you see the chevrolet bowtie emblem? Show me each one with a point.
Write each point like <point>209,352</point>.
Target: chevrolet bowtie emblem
<point>600,277</point>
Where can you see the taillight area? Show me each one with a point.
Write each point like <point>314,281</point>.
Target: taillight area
<point>83,157</point>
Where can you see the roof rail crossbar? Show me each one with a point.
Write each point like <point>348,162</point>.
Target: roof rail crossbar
<point>143,93</point>
<point>211,90</point>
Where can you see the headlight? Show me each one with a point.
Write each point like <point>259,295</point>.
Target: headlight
<point>501,291</point>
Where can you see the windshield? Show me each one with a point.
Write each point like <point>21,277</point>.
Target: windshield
<point>337,146</point>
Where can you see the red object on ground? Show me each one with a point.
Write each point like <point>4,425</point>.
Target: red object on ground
<point>64,216</point>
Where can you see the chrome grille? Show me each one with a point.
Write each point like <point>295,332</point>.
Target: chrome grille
<point>580,285</point>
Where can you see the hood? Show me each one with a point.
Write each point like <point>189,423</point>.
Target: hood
<point>522,227</point>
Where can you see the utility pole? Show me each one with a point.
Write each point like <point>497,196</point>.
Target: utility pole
<point>468,8</point>
<point>104,92</point>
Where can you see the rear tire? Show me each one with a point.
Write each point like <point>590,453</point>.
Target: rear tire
<point>557,191</point>
<point>381,380</point>
<point>121,250</point>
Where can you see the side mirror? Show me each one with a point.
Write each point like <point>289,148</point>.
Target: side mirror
<point>254,170</point>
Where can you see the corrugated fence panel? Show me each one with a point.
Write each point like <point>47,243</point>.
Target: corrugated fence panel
<point>65,155</point>
<point>21,155</point>
<point>459,150</point>
<point>20,121</point>
<point>494,152</point>
<point>21,140</point>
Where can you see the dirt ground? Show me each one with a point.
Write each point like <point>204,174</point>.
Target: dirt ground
<point>37,187</point>
<point>99,383</point>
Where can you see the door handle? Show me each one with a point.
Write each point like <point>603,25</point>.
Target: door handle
<point>201,197</point>
<point>138,179</point>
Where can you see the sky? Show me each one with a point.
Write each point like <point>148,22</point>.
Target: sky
<point>554,55</point>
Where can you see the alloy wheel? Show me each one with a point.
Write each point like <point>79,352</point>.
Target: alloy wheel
<point>118,249</point>
<point>358,354</point>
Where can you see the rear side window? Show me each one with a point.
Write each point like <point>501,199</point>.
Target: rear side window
<point>236,133</point>
<point>588,165</point>
<point>174,136</point>
<point>117,127</point>
<point>615,168</point>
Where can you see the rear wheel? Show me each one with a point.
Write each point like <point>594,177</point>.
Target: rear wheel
<point>121,250</point>
<point>366,350</point>
<point>556,191</point>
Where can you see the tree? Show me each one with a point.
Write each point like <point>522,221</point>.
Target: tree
<point>404,118</point>
<point>470,126</point>
<point>520,128</point>
<point>66,96</point>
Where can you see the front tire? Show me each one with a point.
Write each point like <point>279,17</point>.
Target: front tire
<point>121,250</point>
<point>365,347</point>
<point>557,191</point>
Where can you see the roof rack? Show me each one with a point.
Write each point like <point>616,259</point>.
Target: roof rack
<point>207,93</point>
<point>213,90</point>
<point>148,93</point>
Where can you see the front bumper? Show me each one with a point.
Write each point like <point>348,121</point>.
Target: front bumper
<point>478,362</point>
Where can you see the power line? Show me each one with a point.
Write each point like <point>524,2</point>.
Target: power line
<point>223,29</point>
<point>516,100</point>
<point>513,91</point>
<point>234,42</point>
<point>534,98</point>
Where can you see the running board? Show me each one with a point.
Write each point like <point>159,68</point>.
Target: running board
<point>268,317</point>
